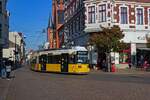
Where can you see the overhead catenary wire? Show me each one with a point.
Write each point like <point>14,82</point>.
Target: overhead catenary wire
<point>35,40</point>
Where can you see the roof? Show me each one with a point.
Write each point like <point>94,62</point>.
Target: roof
<point>50,23</point>
<point>62,51</point>
<point>146,49</point>
<point>79,48</point>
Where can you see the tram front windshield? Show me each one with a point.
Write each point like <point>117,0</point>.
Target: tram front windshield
<point>82,57</point>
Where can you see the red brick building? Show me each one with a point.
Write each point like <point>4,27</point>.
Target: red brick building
<point>55,27</point>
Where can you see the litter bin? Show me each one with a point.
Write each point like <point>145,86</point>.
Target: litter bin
<point>113,68</point>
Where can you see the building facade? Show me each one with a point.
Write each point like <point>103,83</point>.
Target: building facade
<point>132,16</point>
<point>55,26</point>
<point>16,50</point>
<point>4,26</point>
<point>74,22</point>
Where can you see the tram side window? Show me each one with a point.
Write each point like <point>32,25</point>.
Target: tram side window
<point>50,59</point>
<point>33,61</point>
<point>40,59</point>
<point>56,59</point>
<point>72,59</point>
<point>43,59</point>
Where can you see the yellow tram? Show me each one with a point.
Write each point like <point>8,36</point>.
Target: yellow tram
<point>74,60</point>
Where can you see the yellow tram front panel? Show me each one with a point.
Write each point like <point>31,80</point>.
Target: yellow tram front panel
<point>32,66</point>
<point>36,67</point>
<point>53,67</point>
<point>78,68</point>
<point>39,67</point>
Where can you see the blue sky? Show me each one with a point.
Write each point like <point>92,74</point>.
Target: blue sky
<point>30,17</point>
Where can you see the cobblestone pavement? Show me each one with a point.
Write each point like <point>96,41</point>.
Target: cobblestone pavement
<point>29,85</point>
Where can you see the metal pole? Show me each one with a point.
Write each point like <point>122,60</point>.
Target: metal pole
<point>91,56</point>
<point>15,50</point>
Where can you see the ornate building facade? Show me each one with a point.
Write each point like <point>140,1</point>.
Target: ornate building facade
<point>74,21</point>
<point>84,17</point>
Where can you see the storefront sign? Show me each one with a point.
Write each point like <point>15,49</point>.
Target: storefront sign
<point>141,37</point>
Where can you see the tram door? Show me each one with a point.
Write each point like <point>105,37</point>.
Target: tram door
<point>64,63</point>
<point>43,63</point>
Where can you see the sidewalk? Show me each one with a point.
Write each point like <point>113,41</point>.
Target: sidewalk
<point>130,71</point>
<point>4,86</point>
<point>133,70</point>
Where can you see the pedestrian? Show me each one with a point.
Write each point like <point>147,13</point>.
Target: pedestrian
<point>129,64</point>
<point>8,69</point>
<point>104,66</point>
<point>3,70</point>
<point>142,60</point>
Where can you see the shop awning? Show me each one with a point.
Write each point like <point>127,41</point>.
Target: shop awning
<point>146,49</point>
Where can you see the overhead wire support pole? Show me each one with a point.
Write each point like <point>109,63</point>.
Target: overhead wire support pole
<point>15,50</point>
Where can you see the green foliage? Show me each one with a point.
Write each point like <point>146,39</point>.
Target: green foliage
<point>108,39</point>
<point>148,41</point>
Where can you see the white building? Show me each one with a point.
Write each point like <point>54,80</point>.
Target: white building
<point>132,16</point>
<point>16,44</point>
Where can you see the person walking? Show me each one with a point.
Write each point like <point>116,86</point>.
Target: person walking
<point>3,70</point>
<point>129,64</point>
<point>104,65</point>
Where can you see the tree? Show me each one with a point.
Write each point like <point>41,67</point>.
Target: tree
<point>108,40</point>
<point>148,41</point>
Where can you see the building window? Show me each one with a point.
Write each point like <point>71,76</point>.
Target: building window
<point>77,4</point>
<point>80,22</point>
<point>77,24</point>
<point>70,11</point>
<point>72,28</point>
<point>149,16</point>
<point>0,6</point>
<point>91,14</point>
<point>139,15</point>
<point>102,13</point>
<point>124,15</point>
<point>60,17</point>
<point>0,30</point>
